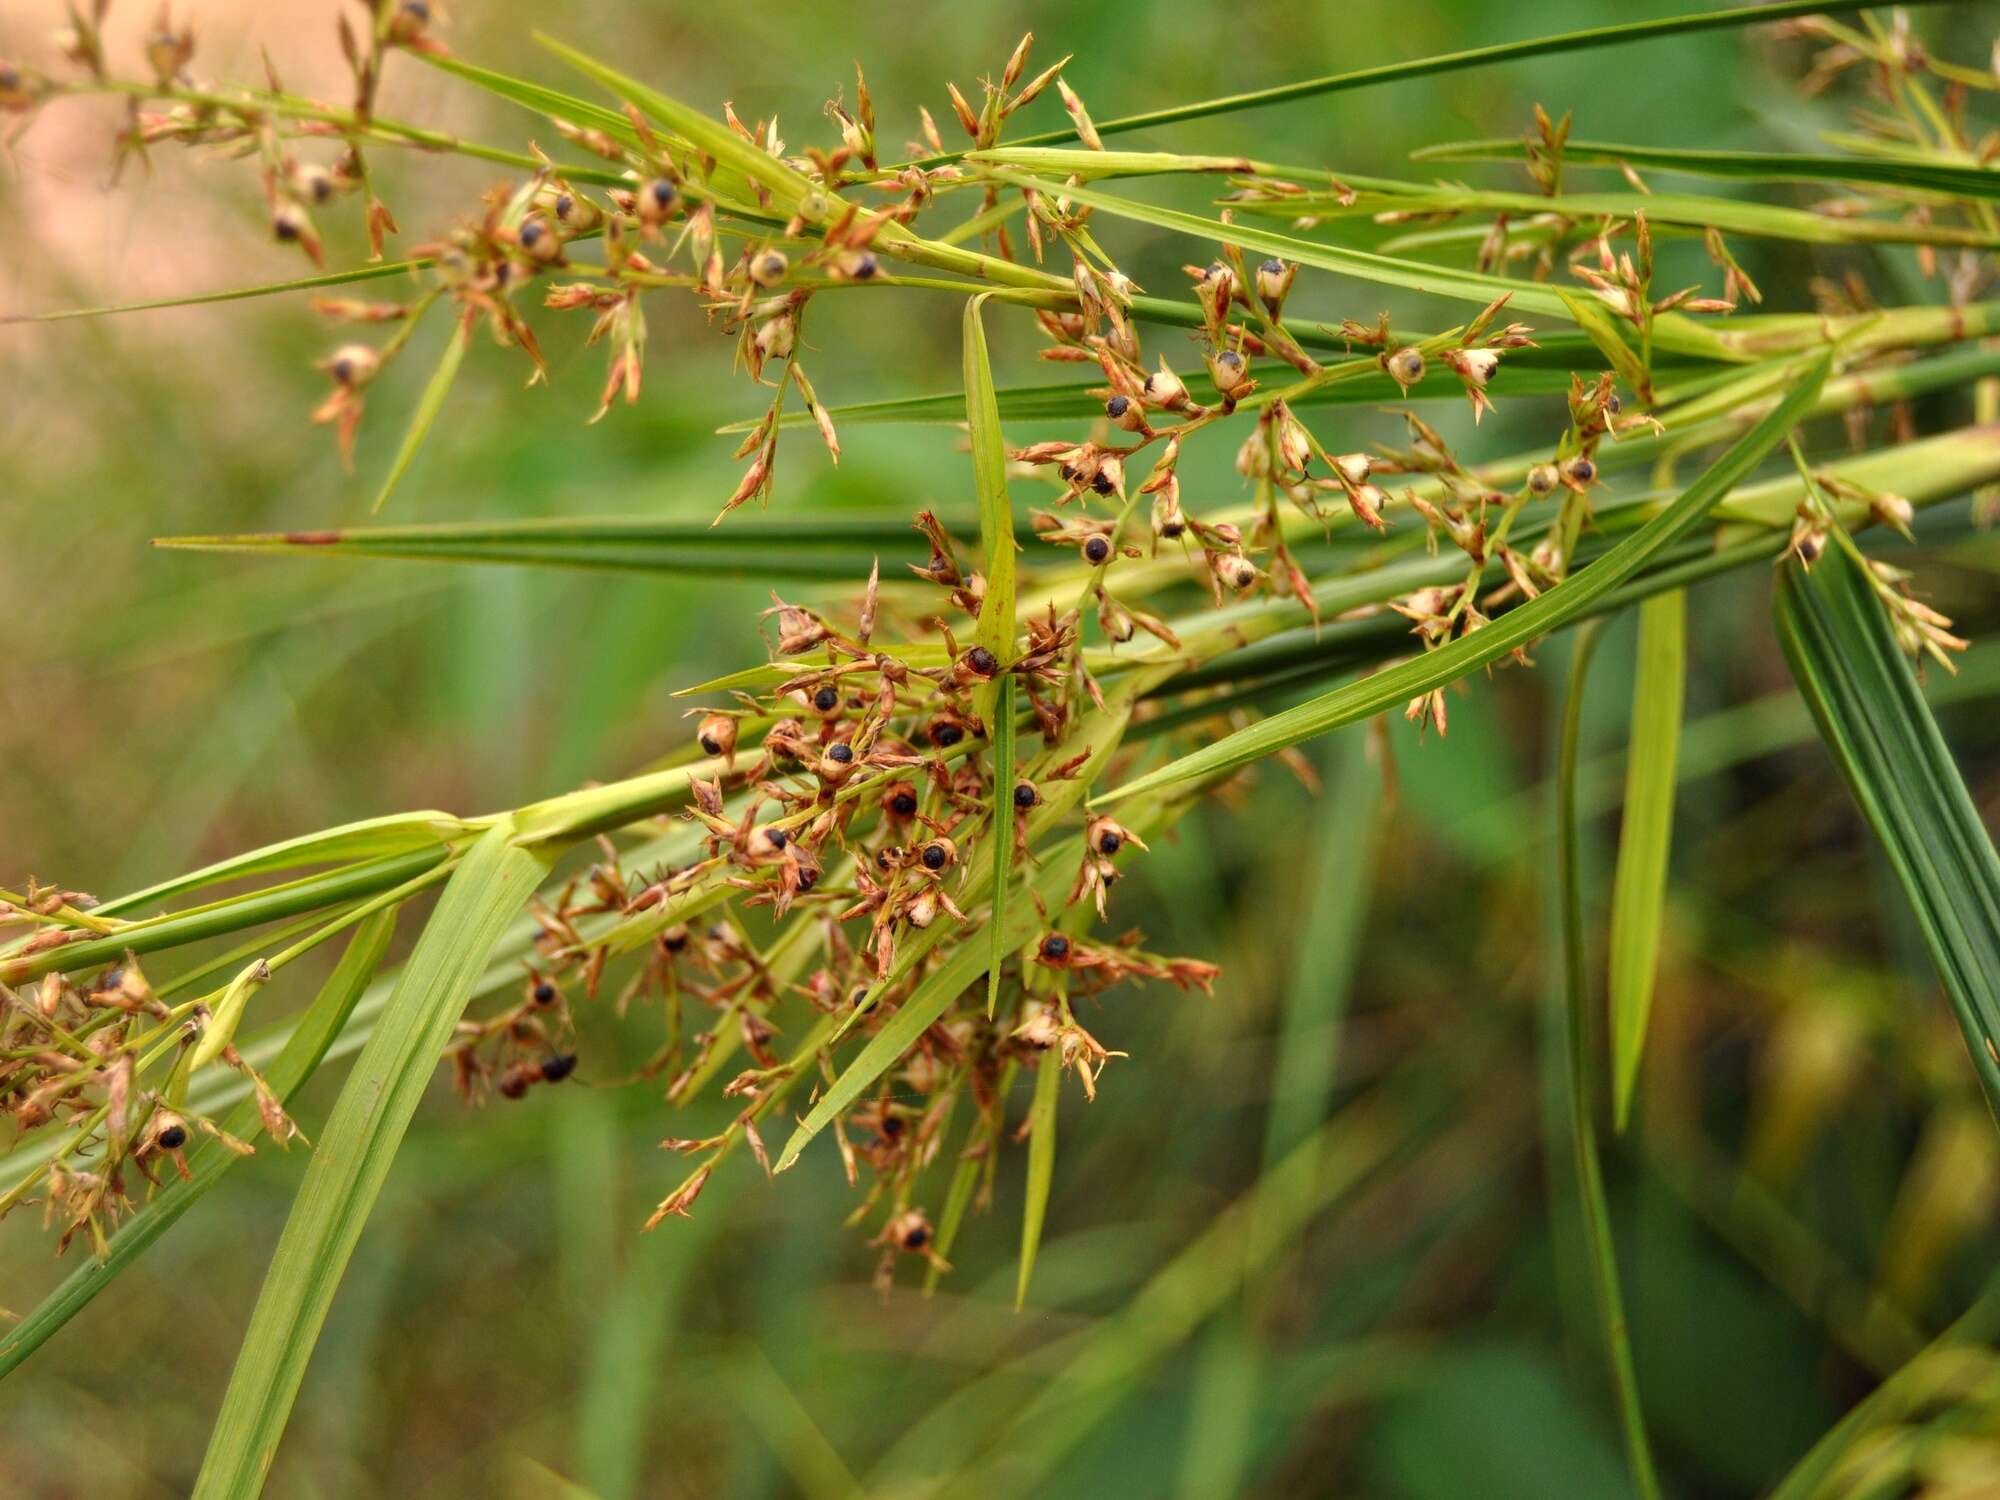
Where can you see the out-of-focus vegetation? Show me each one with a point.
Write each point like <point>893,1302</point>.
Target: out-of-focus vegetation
<point>1803,1201</point>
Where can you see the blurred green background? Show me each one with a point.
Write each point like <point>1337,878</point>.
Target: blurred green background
<point>1808,1195</point>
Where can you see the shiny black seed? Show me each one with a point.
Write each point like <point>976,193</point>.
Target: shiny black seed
<point>934,856</point>
<point>841,753</point>
<point>1097,549</point>
<point>1109,843</point>
<point>545,993</point>
<point>1026,796</point>
<point>173,1138</point>
<point>917,1238</point>
<point>982,661</point>
<point>1101,482</point>
<point>826,699</point>
<point>947,735</point>
<point>556,1069</point>
<point>903,804</point>
<point>1116,406</point>
<point>778,837</point>
<point>1055,945</point>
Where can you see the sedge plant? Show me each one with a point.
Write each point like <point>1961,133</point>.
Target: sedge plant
<point>867,895</point>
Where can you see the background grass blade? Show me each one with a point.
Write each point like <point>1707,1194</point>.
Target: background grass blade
<point>1863,694</point>
<point>1645,838</point>
<point>1041,1168</point>
<point>353,1157</point>
<point>429,404</point>
<point>1567,601</point>
<point>1581,1111</point>
<point>310,1038</point>
<point>1448,62</point>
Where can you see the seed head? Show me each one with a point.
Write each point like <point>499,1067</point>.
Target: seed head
<point>1405,366</point>
<point>1542,480</point>
<point>352,365</point>
<point>716,735</point>
<point>1230,372</point>
<point>1238,572</point>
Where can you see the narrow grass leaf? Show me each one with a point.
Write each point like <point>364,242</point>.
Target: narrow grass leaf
<point>312,1034</point>
<point>232,294</point>
<point>710,136</point>
<point>1617,34</point>
<point>1596,321</point>
<point>552,104</point>
<point>1645,838</point>
<point>1002,731</point>
<point>1041,1167</point>
<point>1567,601</point>
<point>995,630</point>
<point>429,404</point>
<point>1864,697</point>
<point>1595,1216</point>
<point>1684,210</point>
<point>1750,166</point>
<point>352,1160</point>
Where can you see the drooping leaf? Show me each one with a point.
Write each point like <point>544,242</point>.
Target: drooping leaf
<point>310,1037</point>
<point>1645,838</point>
<point>1041,1167</point>
<point>1844,657</point>
<point>1580,1097</point>
<point>1567,601</point>
<point>353,1157</point>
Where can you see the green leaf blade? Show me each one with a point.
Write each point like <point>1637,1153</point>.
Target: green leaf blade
<point>429,404</point>
<point>353,1159</point>
<point>1041,1168</point>
<point>1639,884</point>
<point>1880,732</point>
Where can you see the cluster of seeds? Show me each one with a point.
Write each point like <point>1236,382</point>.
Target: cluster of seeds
<point>860,804</point>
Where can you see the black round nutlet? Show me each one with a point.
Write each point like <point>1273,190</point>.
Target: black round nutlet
<point>544,993</point>
<point>1109,842</point>
<point>173,1138</point>
<point>1116,407</point>
<point>1055,946</point>
<point>1026,796</point>
<point>842,753</point>
<point>1097,549</point>
<point>827,699</point>
<point>946,734</point>
<point>903,804</point>
<point>559,1067</point>
<point>982,661</point>
<point>935,857</point>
